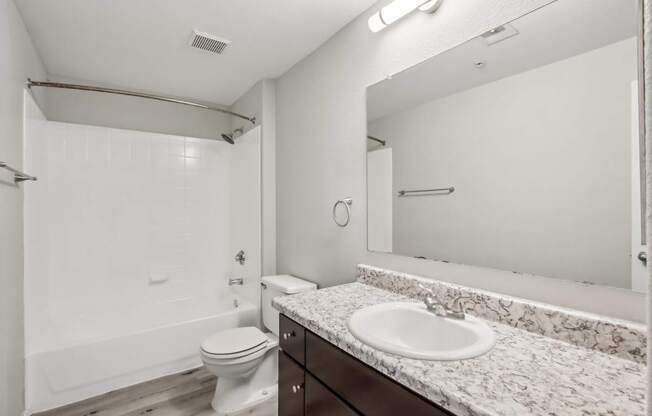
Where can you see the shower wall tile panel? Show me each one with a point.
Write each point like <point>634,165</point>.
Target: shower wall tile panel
<point>125,231</point>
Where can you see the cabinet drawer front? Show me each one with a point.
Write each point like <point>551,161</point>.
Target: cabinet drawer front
<point>292,339</point>
<point>291,387</point>
<point>367,390</point>
<point>321,402</point>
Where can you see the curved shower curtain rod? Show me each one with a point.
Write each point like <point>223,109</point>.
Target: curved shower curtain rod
<point>62,85</point>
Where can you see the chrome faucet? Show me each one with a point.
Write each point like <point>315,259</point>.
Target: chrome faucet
<point>431,304</point>
<point>435,307</point>
<point>440,309</point>
<point>236,281</point>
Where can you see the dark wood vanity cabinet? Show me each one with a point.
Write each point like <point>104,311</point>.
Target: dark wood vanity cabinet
<point>318,379</point>
<point>292,339</point>
<point>291,382</point>
<point>322,402</point>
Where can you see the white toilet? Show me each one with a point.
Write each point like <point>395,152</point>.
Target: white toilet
<point>245,360</point>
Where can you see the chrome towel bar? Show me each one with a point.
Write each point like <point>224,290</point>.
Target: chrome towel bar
<point>18,175</point>
<point>417,192</point>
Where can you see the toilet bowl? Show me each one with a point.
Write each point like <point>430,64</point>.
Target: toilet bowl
<point>245,360</point>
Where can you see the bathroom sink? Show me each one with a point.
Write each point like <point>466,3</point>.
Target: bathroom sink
<point>410,330</point>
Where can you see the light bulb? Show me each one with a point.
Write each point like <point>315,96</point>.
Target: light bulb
<point>375,23</point>
<point>397,9</point>
<point>430,6</point>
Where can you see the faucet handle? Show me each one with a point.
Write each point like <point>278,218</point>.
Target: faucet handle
<point>458,307</point>
<point>457,300</point>
<point>240,257</point>
<point>426,289</point>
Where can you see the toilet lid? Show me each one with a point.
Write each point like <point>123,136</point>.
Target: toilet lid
<point>234,340</point>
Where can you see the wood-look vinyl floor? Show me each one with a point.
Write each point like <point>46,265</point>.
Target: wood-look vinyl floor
<point>184,394</point>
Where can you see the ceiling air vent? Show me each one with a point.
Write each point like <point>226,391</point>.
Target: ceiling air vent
<point>499,34</point>
<point>208,42</point>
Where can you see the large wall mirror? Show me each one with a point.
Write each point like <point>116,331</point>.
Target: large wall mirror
<point>518,150</point>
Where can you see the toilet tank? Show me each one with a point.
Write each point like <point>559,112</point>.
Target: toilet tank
<point>280,285</point>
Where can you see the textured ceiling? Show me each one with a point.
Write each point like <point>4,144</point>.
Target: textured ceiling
<point>143,44</point>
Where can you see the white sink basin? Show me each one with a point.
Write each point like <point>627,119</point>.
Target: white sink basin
<point>410,330</point>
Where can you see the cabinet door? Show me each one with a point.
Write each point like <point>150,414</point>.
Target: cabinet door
<point>292,339</point>
<point>290,387</point>
<point>321,402</point>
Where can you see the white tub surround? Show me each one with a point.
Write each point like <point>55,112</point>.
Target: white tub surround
<point>612,336</point>
<point>77,372</point>
<point>130,239</point>
<point>524,374</point>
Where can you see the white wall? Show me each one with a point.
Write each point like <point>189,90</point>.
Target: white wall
<point>18,61</point>
<point>260,102</point>
<point>245,220</point>
<point>108,110</point>
<point>152,116</point>
<point>380,200</point>
<point>126,231</point>
<point>541,165</point>
<point>321,150</point>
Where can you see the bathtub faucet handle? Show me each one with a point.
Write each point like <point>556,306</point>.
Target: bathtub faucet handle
<point>240,257</point>
<point>236,281</point>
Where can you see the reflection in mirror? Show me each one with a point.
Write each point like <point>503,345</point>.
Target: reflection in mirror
<point>517,150</point>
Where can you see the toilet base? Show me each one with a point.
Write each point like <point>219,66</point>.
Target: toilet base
<point>235,396</point>
<point>257,403</point>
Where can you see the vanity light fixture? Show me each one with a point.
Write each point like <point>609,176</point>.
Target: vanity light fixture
<point>398,9</point>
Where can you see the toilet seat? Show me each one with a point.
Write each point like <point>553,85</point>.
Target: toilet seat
<point>235,343</point>
<point>234,361</point>
<point>241,354</point>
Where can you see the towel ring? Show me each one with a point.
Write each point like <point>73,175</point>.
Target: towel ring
<point>347,204</point>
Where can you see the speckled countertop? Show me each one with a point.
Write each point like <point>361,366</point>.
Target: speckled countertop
<point>524,374</point>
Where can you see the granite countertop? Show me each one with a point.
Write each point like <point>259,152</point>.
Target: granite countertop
<point>524,374</point>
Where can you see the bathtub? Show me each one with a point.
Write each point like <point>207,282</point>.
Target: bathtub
<point>86,368</point>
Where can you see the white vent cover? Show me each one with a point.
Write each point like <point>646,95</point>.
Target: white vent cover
<point>499,34</point>
<point>208,42</point>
